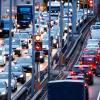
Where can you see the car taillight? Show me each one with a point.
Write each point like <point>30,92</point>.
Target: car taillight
<point>80,62</point>
<point>85,85</point>
<point>89,73</point>
<point>72,73</point>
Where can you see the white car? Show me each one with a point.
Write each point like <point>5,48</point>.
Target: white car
<point>2,60</point>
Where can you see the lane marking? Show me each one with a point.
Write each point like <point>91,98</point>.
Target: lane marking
<point>98,98</point>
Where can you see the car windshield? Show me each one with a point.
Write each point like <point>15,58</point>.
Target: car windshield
<point>24,35</point>
<point>15,42</point>
<point>88,59</point>
<point>24,60</point>
<point>16,69</point>
<point>91,52</point>
<point>2,85</point>
<point>96,27</point>
<point>4,76</point>
<point>80,69</point>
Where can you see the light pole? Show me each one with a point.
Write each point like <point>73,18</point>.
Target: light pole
<point>0,9</point>
<point>10,52</point>
<point>33,53</point>
<point>74,17</point>
<point>61,34</point>
<point>49,43</point>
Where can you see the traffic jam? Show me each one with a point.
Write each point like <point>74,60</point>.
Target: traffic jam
<point>88,64</point>
<point>21,66</point>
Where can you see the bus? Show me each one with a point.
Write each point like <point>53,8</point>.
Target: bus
<point>24,16</point>
<point>55,8</point>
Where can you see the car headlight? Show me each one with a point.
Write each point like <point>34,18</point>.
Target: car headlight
<point>41,56</point>
<point>54,41</point>
<point>18,25</point>
<point>30,66</point>
<point>30,25</point>
<point>3,93</point>
<point>0,30</point>
<point>21,75</point>
<point>12,30</point>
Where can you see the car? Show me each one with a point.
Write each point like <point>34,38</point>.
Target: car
<point>4,78</point>
<point>18,72</point>
<point>97,70</point>
<point>16,44</point>
<point>89,60</point>
<point>97,23</point>
<point>24,39</point>
<point>25,62</point>
<point>95,29</point>
<point>6,52</point>
<point>2,60</point>
<point>5,27</point>
<point>92,45</point>
<point>3,91</point>
<point>93,41</point>
<point>83,70</point>
<point>91,52</point>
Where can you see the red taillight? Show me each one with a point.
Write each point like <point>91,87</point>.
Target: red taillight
<point>85,85</point>
<point>89,72</point>
<point>80,62</point>
<point>72,73</point>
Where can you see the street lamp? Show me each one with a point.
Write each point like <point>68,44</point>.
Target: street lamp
<point>10,52</point>
<point>33,53</point>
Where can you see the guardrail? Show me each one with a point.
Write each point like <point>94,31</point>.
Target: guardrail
<point>79,37</point>
<point>26,89</point>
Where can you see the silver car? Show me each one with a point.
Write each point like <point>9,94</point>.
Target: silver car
<point>4,78</point>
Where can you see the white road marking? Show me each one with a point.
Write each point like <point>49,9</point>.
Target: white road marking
<point>98,98</point>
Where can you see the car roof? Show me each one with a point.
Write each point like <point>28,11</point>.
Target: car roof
<point>76,76</point>
<point>85,55</point>
<point>81,66</point>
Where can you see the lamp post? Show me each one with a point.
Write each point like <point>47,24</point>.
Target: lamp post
<point>49,43</point>
<point>74,17</point>
<point>0,9</point>
<point>10,52</point>
<point>33,53</point>
<point>61,34</point>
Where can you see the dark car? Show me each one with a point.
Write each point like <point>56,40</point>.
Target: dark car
<point>5,27</point>
<point>25,62</point>
<point>97,70</point>
<point>3,91</point>
<point>83,70</point>
<point>18,72</point>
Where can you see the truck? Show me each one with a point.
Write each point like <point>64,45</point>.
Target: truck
<point>67,90</point>
<point>24,16</point>
<point>55,8</point>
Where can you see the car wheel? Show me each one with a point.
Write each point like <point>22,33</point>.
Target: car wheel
<point>96,74</point>
<point>14,89</point>
<point>91,82</point>
<point>23,81</point>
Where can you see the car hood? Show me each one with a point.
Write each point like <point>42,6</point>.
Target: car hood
<point>17,73</point>
<point>2,89</point>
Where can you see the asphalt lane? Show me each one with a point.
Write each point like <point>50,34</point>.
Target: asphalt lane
<point>95,89</point>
